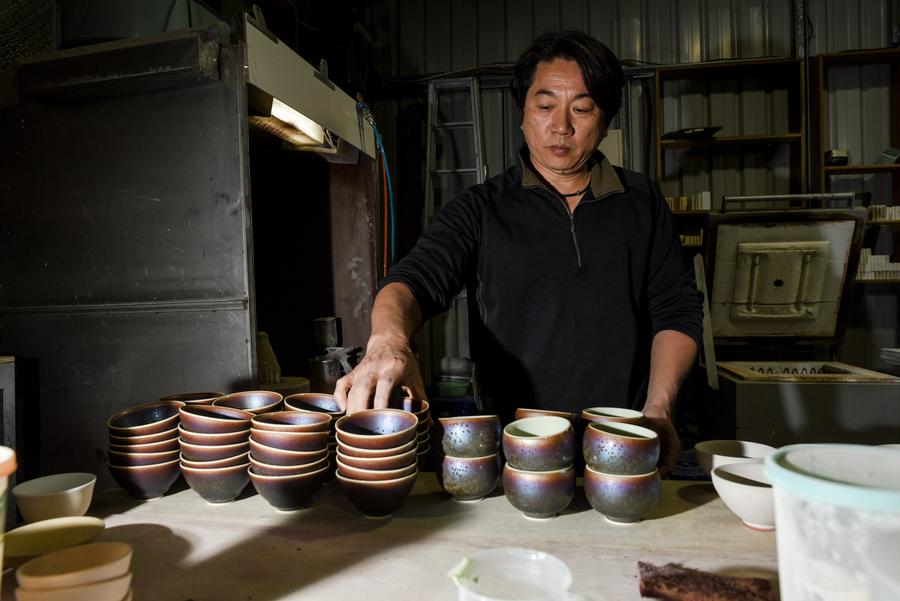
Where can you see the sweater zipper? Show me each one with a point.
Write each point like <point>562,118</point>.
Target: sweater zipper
<point>571,215</point>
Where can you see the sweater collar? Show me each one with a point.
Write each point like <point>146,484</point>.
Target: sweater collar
<point>604,179</point>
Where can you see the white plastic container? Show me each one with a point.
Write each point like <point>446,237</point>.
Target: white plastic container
<point>7,468</point>
<point>883,563</point>
<point>830,502</point>
<point>511,573</point>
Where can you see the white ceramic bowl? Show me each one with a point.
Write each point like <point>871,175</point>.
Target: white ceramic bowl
<point>713,453</point>
<point>56,496</point>
<point>76,566</point>
<point>51,535</point>
<point>746,491</point>
<point>114,589</point>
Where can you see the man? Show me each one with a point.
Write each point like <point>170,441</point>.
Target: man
<point>577,292</point>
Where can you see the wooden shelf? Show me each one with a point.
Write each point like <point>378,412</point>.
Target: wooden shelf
<point>859,281</point>
<point>727,68</point>
<point>873,168</point>
<point>735,141</point>
<point>853,58</point>
<point>892,225</point>
<point>697,212</point>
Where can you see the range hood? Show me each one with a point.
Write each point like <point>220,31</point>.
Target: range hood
<point>297,102</point>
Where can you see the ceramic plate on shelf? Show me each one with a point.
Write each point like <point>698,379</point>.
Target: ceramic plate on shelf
<point>45,536</point>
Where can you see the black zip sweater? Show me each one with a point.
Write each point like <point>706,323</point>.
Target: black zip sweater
<point>563,305</point>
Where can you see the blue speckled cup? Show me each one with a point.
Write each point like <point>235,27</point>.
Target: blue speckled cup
<point>624,449</point>
<point>470,435</point>
<point>539,495</point>
<point>543,443</point>
<point>622,499</point>
<point>470,478</point>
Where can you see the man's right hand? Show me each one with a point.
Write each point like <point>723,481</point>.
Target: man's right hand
<point>388,363</point>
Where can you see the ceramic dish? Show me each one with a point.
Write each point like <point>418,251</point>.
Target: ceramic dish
<point>51,535</point>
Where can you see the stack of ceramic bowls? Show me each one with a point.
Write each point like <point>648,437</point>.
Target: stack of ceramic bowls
<point>318,402</point>
<point>419,408</point>
<point>214,450</point>
<point>289,456</point>
<point>256,402</point>
<point>376,459</point>
<point>143,448</point>
<point>539,478</point>
<point>620,479</point>
<point>95,572</point>
<point>194,398</point>
<point>470,469</point>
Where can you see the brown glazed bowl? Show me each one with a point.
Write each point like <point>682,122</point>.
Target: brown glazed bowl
<point>470,478</point>
<point>209,419</point>
<point>471,435</point>
<point>425,424</point>
<point>291,491</point>
<point>213,439</point>
<point>622,499</point>
<point>241,459</point>
<point>254,401</point>
<point>544,443</point>
<point>273,456</point>
<point>363,474</point>
<point>150,418</point>
<point>154,447</point>
<point>146,481</point>
<point>267,469</point>
<point>291,441</point>
<point>392,462</point>
<point>377,498</point>
<point>422,457</point>
<point>539,495</point>
<point>218,485</point>
<point>196,452</point>
<point>523,412</point>
<point>347,449</point>
<point>142,440</point>
<point>292,421</point>
<point>377,428</point>
<point>125,459</point>
<point>194,398</point>
<point>418,407</point>
<point>624,449</point>
<point>314,401</point>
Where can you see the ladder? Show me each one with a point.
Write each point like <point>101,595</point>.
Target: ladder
<point>455,143</point>
<point>454,161</point>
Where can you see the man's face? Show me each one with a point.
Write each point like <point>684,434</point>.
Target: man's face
<point>561,122</point>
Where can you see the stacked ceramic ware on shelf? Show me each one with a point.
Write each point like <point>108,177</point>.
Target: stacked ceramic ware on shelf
<point>94,572</point>
<point>470,468</point>
<point>215,444</point>
<point>539,477</point>
<point>318,402</point>
<point>194,398</point>
<point>289,457</point>
<point>620,477</point>
<point>419,408</point>
<point>376,459</point>
<point>143,448</point>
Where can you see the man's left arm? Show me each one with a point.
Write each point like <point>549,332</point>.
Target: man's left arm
<point>672,356</point>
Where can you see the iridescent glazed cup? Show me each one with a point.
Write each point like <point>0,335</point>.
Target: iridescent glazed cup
<point>612,414</point>
<point>539,495</point>
<point>622,499</point>
<point>471,435</point>
<point>470,478</point>
<point>523,412</point>
<point>624,449</point>
<point>544,443</point>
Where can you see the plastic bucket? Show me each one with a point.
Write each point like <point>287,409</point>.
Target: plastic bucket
<point>7,468</point>
<point>831,501</point>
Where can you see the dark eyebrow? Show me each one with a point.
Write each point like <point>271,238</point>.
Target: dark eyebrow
<point>552,94</point>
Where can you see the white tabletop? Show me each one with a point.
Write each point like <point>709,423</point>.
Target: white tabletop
<point>186,549</point>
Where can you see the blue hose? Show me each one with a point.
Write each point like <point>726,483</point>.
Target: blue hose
<point>370,119</point>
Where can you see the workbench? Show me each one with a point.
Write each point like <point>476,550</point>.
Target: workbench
<point>187,549</point>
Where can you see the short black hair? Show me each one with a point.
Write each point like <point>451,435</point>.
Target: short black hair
<point>599,67</point>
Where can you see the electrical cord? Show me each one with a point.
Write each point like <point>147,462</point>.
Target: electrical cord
<point>366,112</point>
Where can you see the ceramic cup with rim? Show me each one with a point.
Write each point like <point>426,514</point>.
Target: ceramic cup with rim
<point>612,414</point>
<point>713,453</point>
<point>746,490</point>
<point>539,494</point>
<point>617,448</point>
<point>471,435</point>
<point>470,478</point>
<point>622,499</point>
<point>523,412</point>
<point>544,443</point>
